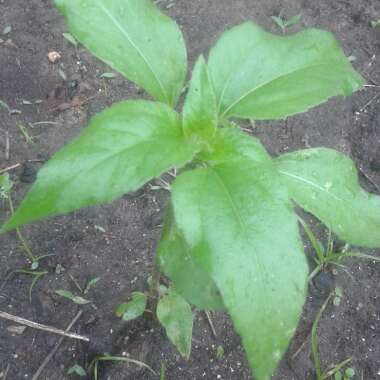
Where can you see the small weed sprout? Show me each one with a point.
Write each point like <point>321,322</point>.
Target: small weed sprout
<point>284,23</point>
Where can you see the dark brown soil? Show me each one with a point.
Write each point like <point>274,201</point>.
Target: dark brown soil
<point>120,251</point>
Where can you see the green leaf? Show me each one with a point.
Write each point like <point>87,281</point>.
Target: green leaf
<point>230,144</point>
<point>349,372</point>
<point>293,20</point>
<point>162,372</point>
<point>77,370</point>
<point>65,293</point>
<point>124,147</point>
<point>91,284</point>
<point>325,183</point>
<point>7,29</point>
<point>279,22</point>
<point>108,75</point>
<point>375,23</point>
<point>134,308</point>
<point>272,77</point>
<point>190,280</point>
<point>200,111</point>
<point>175,314</point>
<point>134,38</point>
<point>76,299</point>
<point>5,186</point>
<point>239,220</point>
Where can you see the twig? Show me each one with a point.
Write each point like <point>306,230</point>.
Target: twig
<point>55,349</point>
<point>369,103</point>
<point>9,168</point>
<point>371,86</point>
<point>211,323</point>
<point>76,283</point>
<point>38,326</point>
<point>6,372</point>
<point>15,166</point>
<point>7,146</point>
<point>301,347</point>
<point>369,179</point>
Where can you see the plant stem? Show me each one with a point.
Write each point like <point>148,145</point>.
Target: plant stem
<point>154,287</point>
<point>23,242</point>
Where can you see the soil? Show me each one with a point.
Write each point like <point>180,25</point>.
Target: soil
<point>116,242</point>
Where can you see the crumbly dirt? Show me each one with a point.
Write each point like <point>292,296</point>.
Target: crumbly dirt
<point>116,242</point>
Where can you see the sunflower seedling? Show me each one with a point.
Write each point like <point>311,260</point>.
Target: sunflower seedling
<point>230,238</point>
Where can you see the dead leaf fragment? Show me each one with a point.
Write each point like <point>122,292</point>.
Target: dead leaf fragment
<point>54,56</point>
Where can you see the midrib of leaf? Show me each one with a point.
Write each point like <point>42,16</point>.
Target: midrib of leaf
<point>244,227</point>
<point>236,102</point>
<point>130,40</point>
<point>146,143</point>
<point>312,184</point>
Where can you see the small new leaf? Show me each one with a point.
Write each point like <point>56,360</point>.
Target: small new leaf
<point>200,114</point>
<point>175,314</point>
<point>74,298</point>
<point>108,75</point>
<point>77,370</point>
<point>134,308</point>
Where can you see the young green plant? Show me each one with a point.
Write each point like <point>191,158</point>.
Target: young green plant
<point>334,370</point>
<point>327,256</point>
<point>284,23</point>
<point>231,239</point>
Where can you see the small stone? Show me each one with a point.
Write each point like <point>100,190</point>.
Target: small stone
<point>54,56</point>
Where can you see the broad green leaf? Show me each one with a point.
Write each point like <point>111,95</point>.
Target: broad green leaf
<point>262,76</point>
<point>200,111</point>
<point>325,183</point>
<point>241,224</point>
<point>134,308</point>
<point>134,38</point>
<point>124,147</point>
<point>190,280</point>
<point>175,314</point>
